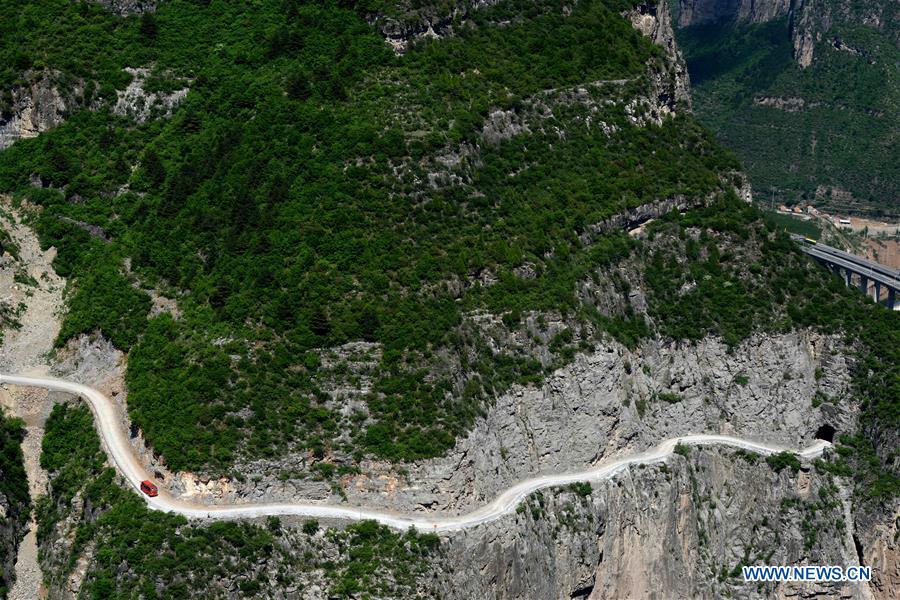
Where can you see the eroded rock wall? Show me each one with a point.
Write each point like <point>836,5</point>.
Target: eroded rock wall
<point>812,20</point>
<point>654,20</point>
<point>130,7</point>
<point>14,506</point>
<point>678,530</point>
<point>34,107</point>
<point>694,12</point>
<point>609,402</point>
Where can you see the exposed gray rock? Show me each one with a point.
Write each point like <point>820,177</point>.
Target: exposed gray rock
<point>130,7</point>
<point>37,106</point>
<point>411,21</point>
<point>139,104</point>
<point>94,230</point>
<point>591,410</point>
<point>787,104</point>
<point>673,531</point>
<point>604,404</point>
<point>812,22</point>
<point>654,20</point>
<point>694,12</point>
<point>809,21</point>
<point>632,217</point>
<point>12,529</point>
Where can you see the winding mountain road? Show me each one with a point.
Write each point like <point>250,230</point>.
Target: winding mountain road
<point>109,423</point>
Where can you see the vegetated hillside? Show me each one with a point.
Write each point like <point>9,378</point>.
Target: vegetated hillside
<point>14,500</point>
<point>314,189</point>
<point>807,99</point>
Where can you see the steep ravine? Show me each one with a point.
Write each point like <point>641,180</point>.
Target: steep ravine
<point>14,499</point>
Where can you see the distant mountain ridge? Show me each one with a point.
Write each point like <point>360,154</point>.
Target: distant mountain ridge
<point>805,92</point>
<point>694,12</point>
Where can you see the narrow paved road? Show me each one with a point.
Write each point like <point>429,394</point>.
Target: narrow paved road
<point>115,442</point>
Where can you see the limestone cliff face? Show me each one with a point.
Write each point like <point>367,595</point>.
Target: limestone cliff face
<point>14,508</point>
<point>605,404</point>
<point>37,106</point>
<point>129,7</point>
<point>694,12</point>
<point>50,97</point>
<point>678,530</point>
<point>11,531</point>
<point>654,20</point>
<point>811,21</point>
<point>414,20</point>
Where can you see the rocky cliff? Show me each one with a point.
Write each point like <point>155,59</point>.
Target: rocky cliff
<point>812,22</point>
<point>654,20</point>
<point>695,12</point>
<point>678,530</point>
<point>809,20</point>
<point>779,389</point>
<point>129,7</point>
<point>38,105</point>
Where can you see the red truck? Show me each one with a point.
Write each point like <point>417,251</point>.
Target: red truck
<point>149,488</point>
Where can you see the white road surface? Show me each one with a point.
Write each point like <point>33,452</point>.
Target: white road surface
<point>115,441</point>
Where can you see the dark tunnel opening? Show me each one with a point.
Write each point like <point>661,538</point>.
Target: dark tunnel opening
<point>826,432</point>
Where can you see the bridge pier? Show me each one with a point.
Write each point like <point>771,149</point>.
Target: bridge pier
<point>847,266</point>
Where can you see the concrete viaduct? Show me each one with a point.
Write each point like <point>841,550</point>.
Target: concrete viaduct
<point>868,274</point>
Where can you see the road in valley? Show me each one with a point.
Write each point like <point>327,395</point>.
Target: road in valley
<point>109,423</point>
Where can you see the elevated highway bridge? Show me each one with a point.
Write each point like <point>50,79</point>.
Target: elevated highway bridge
<point>868,275</point>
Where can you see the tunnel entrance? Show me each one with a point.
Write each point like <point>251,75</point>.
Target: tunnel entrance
<point>826,432</point>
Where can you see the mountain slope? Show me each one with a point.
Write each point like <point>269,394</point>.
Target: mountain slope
<point>364,196</point>
<point>806,96</point>
<point>405,279</point>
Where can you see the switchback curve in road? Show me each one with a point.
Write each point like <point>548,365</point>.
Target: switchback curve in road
<point>109,423</point>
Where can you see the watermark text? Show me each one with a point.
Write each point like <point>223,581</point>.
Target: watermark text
<point>807,573</point>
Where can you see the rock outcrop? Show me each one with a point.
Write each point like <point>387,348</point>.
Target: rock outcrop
<point>809,21</point>
<point>49,98</point>
<point>695,12</point>
<point>812,20</point>
<point>35,107</point>
<point>136,102</point>
<point>13,509</point>
<point>610,402</point>
<point>412,21</point>
<point>678,530</point>
<point>654,20</point>
<point>129,7</point>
